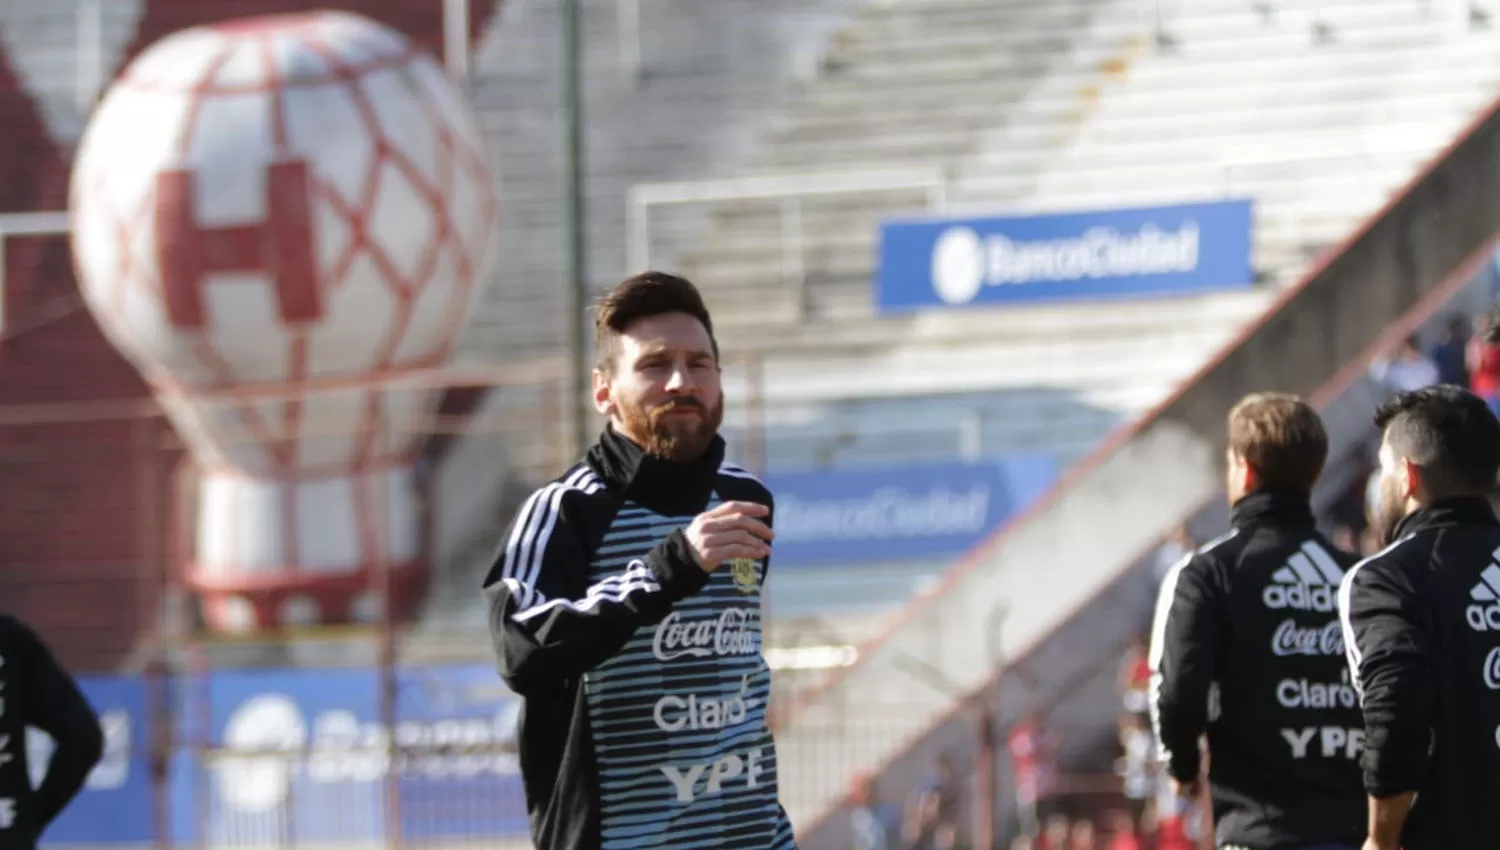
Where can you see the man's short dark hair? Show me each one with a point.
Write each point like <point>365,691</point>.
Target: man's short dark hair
<point>1447,432</point>
<point>1281,438</point>
<point>642,296</point>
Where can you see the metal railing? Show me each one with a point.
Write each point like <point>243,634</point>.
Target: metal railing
<point>789,190</point>
<point>1229,176</point>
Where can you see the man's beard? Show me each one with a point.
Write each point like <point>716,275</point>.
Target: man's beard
<point>1390,509</point>
<point>676,439</point>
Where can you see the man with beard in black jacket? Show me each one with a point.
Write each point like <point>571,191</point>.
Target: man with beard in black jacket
<point>36,691</point>
<point>1246,648</point>
<point>1422,626</point>
<point>625,606</point>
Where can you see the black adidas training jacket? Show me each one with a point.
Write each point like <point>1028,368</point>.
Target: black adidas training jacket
<point>36,691</point>
<point>1422,623</point>
<point>644,687</point>
<point>1246,647</point>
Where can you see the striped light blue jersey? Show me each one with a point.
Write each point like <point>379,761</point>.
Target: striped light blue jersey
<point>646,690</point>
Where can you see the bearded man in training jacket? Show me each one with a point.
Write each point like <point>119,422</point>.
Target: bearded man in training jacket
<point>625,606</point>
<point>1422,626</point>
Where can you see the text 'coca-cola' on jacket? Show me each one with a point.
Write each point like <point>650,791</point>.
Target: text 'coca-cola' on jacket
<point>1247,650</point>
<point>644,687</point>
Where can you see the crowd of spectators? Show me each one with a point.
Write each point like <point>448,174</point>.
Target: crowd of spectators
<point>1467,353</point>
<point>926,818</point>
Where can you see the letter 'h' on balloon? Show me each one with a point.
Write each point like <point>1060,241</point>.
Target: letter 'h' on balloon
<point>280,247</point>
<point>283,222</point>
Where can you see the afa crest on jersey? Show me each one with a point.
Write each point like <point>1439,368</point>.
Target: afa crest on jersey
<point>742,570</point>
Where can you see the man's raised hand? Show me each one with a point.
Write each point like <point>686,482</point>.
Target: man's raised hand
<point>728,531</point>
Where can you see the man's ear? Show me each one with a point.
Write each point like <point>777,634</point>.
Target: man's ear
<point>1251,478</point>
<point>604,401</point>
<point>1411,475</point>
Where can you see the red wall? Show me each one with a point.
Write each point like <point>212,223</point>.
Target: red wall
<point>83,504</point>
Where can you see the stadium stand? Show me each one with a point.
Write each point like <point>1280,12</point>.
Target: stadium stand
<point>1083,115</point>
<point>948,631</point>
<point>1339,310</point>
<point>1317,135</point>
<point>790,271</point>
<point>689,109</point>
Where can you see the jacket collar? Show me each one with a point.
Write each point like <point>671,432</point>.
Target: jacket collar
<point>1446,513</point>
<point>1292,510</point>
<point>664,486</point>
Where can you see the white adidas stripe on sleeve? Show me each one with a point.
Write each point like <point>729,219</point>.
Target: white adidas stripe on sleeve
<point>1346,623</point>
<point>637,578</point>
<point>525,551</point>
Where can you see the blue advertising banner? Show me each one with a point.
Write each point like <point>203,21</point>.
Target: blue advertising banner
<point>883,515</point>
<point>266,754</point>
<point>116,803</point>
<point>306,752</point>
<point>1106,253</point>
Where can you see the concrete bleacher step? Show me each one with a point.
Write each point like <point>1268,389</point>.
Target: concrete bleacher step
<point>1212,106</point>
<point>923,75</point>
<point>1007,420</point>
<point>48,53</point>
<point>1212,124</point>
<point>902,16</point>
<point>898,107</point>
<point>1062,440</point>
<point>1256,144</point>
<point>1205,180</point>
<point>913,371</point>
<point>996,418</point>
<point>931,66</point>
<point>1121,319</point>
<point>875,150</point>
<point>1130,122</point>
<point>836,99</point>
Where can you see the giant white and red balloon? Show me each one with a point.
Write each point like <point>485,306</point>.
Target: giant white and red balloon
<point>284,222</point>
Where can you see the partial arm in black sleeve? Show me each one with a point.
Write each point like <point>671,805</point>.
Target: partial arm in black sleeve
<point>548,622</point>
<point>1185,640</point>
<point>54,704</point>
<point>1390,650</point>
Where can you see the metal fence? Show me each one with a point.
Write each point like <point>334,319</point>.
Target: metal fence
<point>383,731</point>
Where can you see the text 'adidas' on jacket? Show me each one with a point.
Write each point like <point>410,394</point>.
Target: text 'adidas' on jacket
<point>644,687</point>
<point>1422,622</point>
<point>1246,647</point>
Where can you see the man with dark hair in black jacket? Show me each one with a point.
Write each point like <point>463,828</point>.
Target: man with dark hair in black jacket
<point>1421,622</point>
<point>625,606</point>
<point>1246,649</point>
<point>36,691</point>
